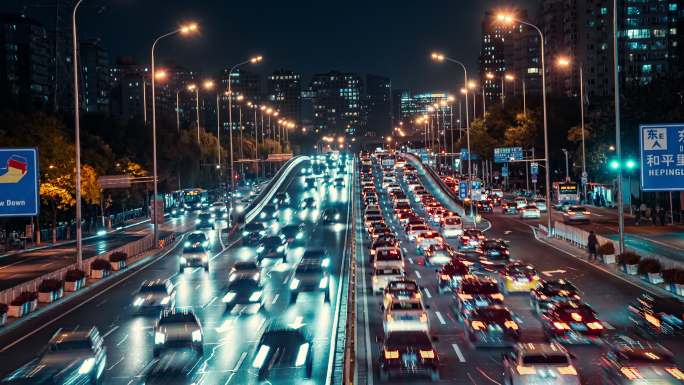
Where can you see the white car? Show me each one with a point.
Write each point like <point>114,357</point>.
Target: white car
<point>219,211</point>
<point>539,364</point>
<point>530,211</point>
<point>194,256</point>
<point>520,202</point>
<point>388,257</point>
<point>382,276</point>
<point>405,315</point>
<point>157,294</point>
<point>245,269</point>
<point>415,230</point>
<point>452,227</point>
<point>372,210</point>
<point>541,205</point>
<point>426,239</point>
<point>576,214</point>
<point>388,180</point>
<point>178,328</point>
<point>498,192</point>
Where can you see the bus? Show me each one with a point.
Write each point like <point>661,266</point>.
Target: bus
<point>195,198</point>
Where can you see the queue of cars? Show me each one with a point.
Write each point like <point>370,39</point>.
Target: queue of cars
<point>477,273</point>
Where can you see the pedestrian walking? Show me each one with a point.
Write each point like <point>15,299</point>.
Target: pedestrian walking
<point>643,209</point>
<point>654,215</point>
<point>661,216</point>
<point>592,243</point>
<point>637,216</point>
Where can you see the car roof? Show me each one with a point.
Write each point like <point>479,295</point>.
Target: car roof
<point>245,265</point>
<point>540,348</point>
<point>75,335</point>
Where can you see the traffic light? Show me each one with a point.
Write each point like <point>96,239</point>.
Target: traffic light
<point>629,164</point>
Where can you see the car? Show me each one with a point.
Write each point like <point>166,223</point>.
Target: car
<point>381,242</point>
<point>491,326</point>
<point>178,328</point>
<point>509,208</point>
<point>413,231</point>
<point>310,181</point>
<point>495,249</point>
<point>269,212</point>
<point>311,274</point>
<point>548,292</point>
<point>576,214</point>
<point>381,277</point>
<point>474,292</point>
<point>484,207</point>
<point>450,275</point>
<point>520,202</point>
<point>401,290</point>
<point>378,228</point>
<point>438,255</point>
<point>308,203</point>
<point>244,293</point>
<point>426,239</point>
<point>331,215</point>
<point>205,221</point>
<point>293,233</point>
<point>541,205</point>
<point>529,211</point>
<point>405,315</point>
<point>70,357</point>
<point>252,233</point>
<point>539,364</point>
<point>219,211</point>
<point>157,294</point>
<point>195,239</point>
<point>194,256</point>
<point>388,257</point>
<point>178,211</point>
<point>497,192</point>
<point>657,316</point>
<point>474,233</point>
<point>373,219</point>
<point>630,361</point>
<point>402,217</point>
<point>174,368</point>
<point>274,246</point>
<point>518,277</point>
<point>282,199</point>
<point>468,242</point>
<point>451,226</point>
<point>283,348</point>
<point>571,322</point>
<point>408,353</point>
<point>244,269</point>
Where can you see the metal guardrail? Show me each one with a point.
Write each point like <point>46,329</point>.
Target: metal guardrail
<point>132,249</point>
<point>350,328</point>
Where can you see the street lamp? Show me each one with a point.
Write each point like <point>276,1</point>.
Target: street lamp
<point>441,58</point>
<point>252,60</point>
<point>508,78</point>
<point>77,126</point>
<point>509,19</point>
<point>183,30</point>
<point>564,61</point>
<point>209,85</point>
<point>193,87</point>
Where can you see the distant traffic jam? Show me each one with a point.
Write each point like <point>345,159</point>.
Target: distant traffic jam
<point>407,226</point>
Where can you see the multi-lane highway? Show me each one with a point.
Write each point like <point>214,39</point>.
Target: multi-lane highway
<point>230,339</point>
<point>460,362</point>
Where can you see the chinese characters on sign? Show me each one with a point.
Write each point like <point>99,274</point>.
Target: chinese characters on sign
<point>507,154</point>
<point>662,157</point>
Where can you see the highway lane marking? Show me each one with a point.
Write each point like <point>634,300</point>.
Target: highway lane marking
<point>608,326</point>
<point>210,302</point>
<point>114,364</point>
<point>275,299</point>
<point>427,293</point>
<point>110,332</point>
<point>418,274</point>
<point>458,352</point>
<point>485,376</point>
<point>88,300</point>
<point>411,260</point>
<point>122,340</point>
<point>440,318</point>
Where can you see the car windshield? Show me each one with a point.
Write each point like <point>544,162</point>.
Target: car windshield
<point>431,234</point>
<point>387,272</point>
<point>403,286</point>
<point>388,255</point>
<point>193,238</point>
<point>313,254</point>
<point>70,345</point>
<point>243,284</point>
<point>309,268</point>
<point>455,269</point>
<point>245,266</point>
<point>272,241</point>
<point>452,221</point>
<point>545,359</point>
<point>191,249</point>
<point>581,313</point>
<point>521,270</point>
<point>419,228</point>
<point>479,287</point>
<point>176,318</point>
<point>556,286</point>
<point>408,339</point>
<point>576,208</point>
<point>153,289</point>
<point>497,314</point>
<point>646,356</point>
<point>254,226</point>
<point>493,243</point>
<point>405,305</point>
<point>204,217</point>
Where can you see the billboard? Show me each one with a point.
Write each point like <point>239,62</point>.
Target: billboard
<point>662,157</point>
<point>19,182</point>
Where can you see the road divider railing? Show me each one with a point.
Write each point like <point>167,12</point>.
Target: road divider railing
<point>133,252</point>
<point>269,191</point>
<point>451,201</point>
<point>350,327</point>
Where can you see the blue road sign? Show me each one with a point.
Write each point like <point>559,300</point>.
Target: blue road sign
<point>19,185</point>
<point>662,157</point>
<point>507,154</point>
<point>462,189</point>
<point>504,171</point>
<point>534,168</point>
<point>477,184</point>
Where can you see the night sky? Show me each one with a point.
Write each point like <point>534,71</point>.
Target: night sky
<point>390,38</point>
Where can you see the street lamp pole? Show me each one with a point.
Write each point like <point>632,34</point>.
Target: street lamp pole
<point>618,146</point>
<point>585,176</point>
<point>184,30</point>
<point>77,125</point>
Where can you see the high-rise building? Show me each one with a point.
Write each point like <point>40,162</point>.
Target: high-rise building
<point>24,63</point>
<point>595,49</point>
<point>438,105</point>
<point>94,76</point>
<point>337,102</point>
<point>378,109</point>
<point>284,91</point>
<point>244,83</point>
<point>559,24</point>
<point>649,39</point>
<point>130,96</point>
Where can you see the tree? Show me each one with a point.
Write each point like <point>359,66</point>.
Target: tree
<point>522,133</point>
